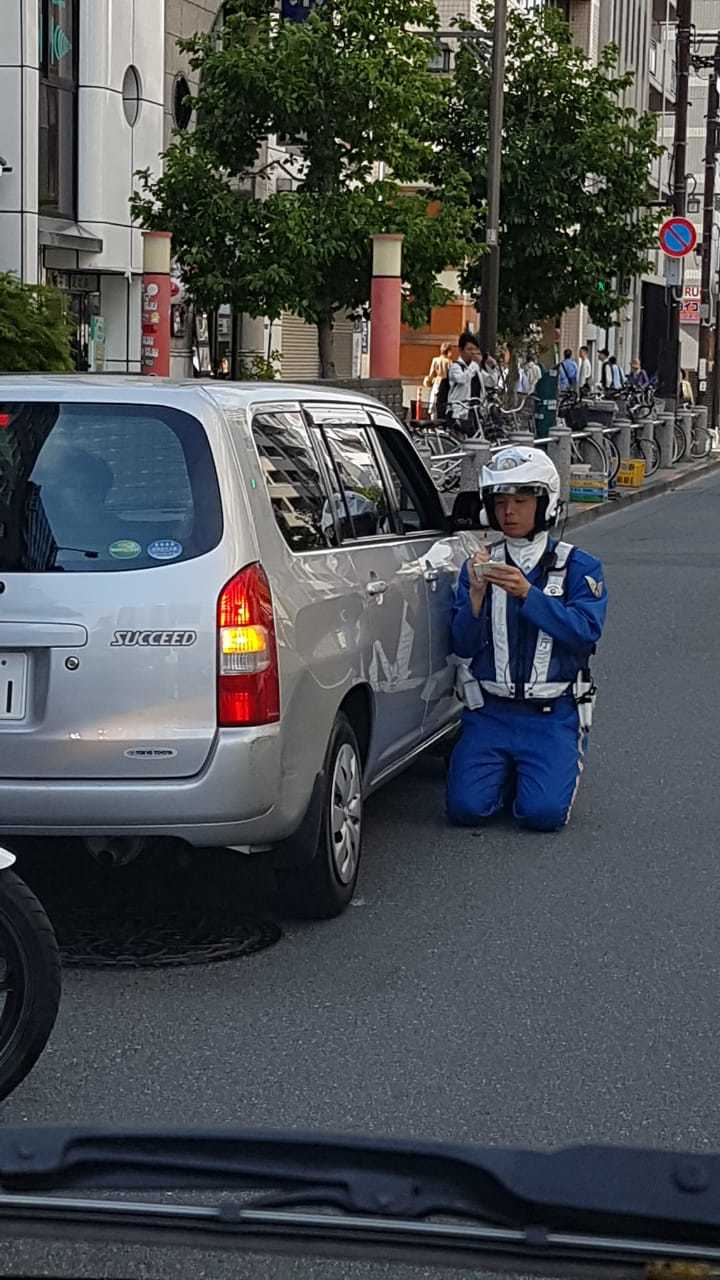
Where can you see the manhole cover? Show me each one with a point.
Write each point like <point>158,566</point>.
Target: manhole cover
<point>168,908</point>
<point>126,942</point>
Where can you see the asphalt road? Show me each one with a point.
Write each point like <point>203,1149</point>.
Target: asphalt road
<point>495,986</point>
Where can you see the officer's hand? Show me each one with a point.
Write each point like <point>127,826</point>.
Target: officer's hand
<point>478,584</point>
<point>510,579</point>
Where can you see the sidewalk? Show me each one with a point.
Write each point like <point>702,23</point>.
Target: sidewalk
<point>662,482</point>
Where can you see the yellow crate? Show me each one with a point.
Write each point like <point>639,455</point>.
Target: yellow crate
<point>632,473</point>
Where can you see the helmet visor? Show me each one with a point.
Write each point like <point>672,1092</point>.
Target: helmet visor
<point>527,490</point>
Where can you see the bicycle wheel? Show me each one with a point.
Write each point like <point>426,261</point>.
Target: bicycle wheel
<point>597,456</point>
<point>679,443</point>
<point>614,459</point>
<point>701,443</point>
<point>647,451</point>
<point>29,982</point>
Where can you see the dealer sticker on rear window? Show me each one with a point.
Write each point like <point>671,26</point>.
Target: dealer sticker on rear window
<point>165,549</point>
<point>125,549</point>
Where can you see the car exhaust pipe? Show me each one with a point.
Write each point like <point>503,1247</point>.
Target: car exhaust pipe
<point>116,851</point>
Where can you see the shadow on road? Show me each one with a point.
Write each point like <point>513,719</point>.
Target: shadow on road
<point>175,905</point>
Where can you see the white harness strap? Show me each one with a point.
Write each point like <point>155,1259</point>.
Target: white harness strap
<point>540,687</point>
<point>501,686</point>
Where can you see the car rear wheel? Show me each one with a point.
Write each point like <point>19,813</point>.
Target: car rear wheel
<point>324,888</point>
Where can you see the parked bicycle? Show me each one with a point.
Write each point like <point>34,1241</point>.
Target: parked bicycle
<point>644,449</point>
<point>639,402</point>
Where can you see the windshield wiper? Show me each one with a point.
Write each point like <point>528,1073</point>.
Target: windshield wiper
<point>589,1209</point>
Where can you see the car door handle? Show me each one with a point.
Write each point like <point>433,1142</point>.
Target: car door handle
<point>376,587</point>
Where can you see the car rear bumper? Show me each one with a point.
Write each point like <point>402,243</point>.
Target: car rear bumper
<point>239,798</point>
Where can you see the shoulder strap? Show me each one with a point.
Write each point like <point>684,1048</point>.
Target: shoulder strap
<point>557,571</point>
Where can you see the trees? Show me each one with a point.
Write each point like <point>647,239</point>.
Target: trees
<point>574,176</point>
<point>34,333</point>
<point>351,84</point>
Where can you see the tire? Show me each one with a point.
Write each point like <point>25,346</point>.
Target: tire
<point>597,456</point>
<point>614,459</point>
<point>32,964</point>
<point>701,444</point>
<point>325,887</point>
<point>647,451</point>
<point>679,444</point>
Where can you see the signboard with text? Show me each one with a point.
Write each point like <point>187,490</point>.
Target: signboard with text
<point>690,305</point>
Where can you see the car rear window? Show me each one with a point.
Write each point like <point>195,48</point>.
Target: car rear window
<point>102,487</point>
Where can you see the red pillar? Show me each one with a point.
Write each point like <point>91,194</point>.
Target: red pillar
<point>155,352</point>
<point>385,306</point>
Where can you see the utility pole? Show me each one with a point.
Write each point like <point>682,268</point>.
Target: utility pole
<point>670,359</point>
<point>706,345</point>
<point>490,295</point>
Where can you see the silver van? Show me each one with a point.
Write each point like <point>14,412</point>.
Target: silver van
<point>223,617</point>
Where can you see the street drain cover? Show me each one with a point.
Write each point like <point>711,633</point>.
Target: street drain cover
<point>118,941</point>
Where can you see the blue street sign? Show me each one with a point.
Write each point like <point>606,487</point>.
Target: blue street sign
<point>677,237</point>
<point>296,10</point>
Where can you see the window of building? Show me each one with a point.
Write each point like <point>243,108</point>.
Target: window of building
<point>300,500</point>
<point>57,149</point>
<point>181,106</point>
<point>131,95</point>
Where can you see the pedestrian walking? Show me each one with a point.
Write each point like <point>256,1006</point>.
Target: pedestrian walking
<point>637,376</point>
<point>439,367</point>
<point>533,371</point>
<point>491,375</point>
<point>686,391</point>
<point>567,372</point>
<point>464,382</point>
<point>526,619</point>
<point>584,377</point>
<point>605,370</point>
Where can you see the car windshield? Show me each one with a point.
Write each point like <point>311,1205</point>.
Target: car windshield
<point>359,482</point>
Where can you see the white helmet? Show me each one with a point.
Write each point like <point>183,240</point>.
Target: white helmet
<point>520,469</point>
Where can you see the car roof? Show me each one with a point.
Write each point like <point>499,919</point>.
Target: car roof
<point>158,390</point>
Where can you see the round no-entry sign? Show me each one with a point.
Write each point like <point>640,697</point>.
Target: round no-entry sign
<point>677,237</point>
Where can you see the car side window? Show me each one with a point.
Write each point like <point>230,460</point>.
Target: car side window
<point>416,499</point>
<point>295,483</point>
<point>361,481</point>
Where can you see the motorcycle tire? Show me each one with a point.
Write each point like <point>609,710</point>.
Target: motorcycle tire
<point>29,980</point>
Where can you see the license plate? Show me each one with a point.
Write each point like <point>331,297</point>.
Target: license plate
<point>13,685</point>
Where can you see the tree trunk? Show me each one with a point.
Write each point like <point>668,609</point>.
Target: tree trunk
<point>326,346</point>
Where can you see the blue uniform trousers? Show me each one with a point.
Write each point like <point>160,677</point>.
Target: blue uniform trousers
<point>512,752</point>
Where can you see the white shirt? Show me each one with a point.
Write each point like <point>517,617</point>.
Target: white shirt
<point>460,376</point>
<point>584,371</point>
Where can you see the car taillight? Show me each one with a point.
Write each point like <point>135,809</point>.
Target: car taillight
<point>248,681</point>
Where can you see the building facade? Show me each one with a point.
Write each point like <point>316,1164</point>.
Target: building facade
<point>81,92</point>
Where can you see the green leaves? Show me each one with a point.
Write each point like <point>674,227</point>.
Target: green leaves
<point>574,178</point>
<point>34,332</point>
<point>352,83</point>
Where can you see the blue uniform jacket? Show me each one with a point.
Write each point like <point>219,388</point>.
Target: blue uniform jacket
<point>575,622</point>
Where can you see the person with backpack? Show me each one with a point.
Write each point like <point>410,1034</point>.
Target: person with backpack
<point>567,373</point>
<point>526,619</point>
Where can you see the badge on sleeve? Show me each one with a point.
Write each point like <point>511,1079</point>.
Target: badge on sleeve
<point>597,588</point>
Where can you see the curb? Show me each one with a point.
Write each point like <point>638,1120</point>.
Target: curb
<point>653,490</point>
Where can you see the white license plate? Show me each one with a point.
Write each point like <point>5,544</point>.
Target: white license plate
<point>13,685</point>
